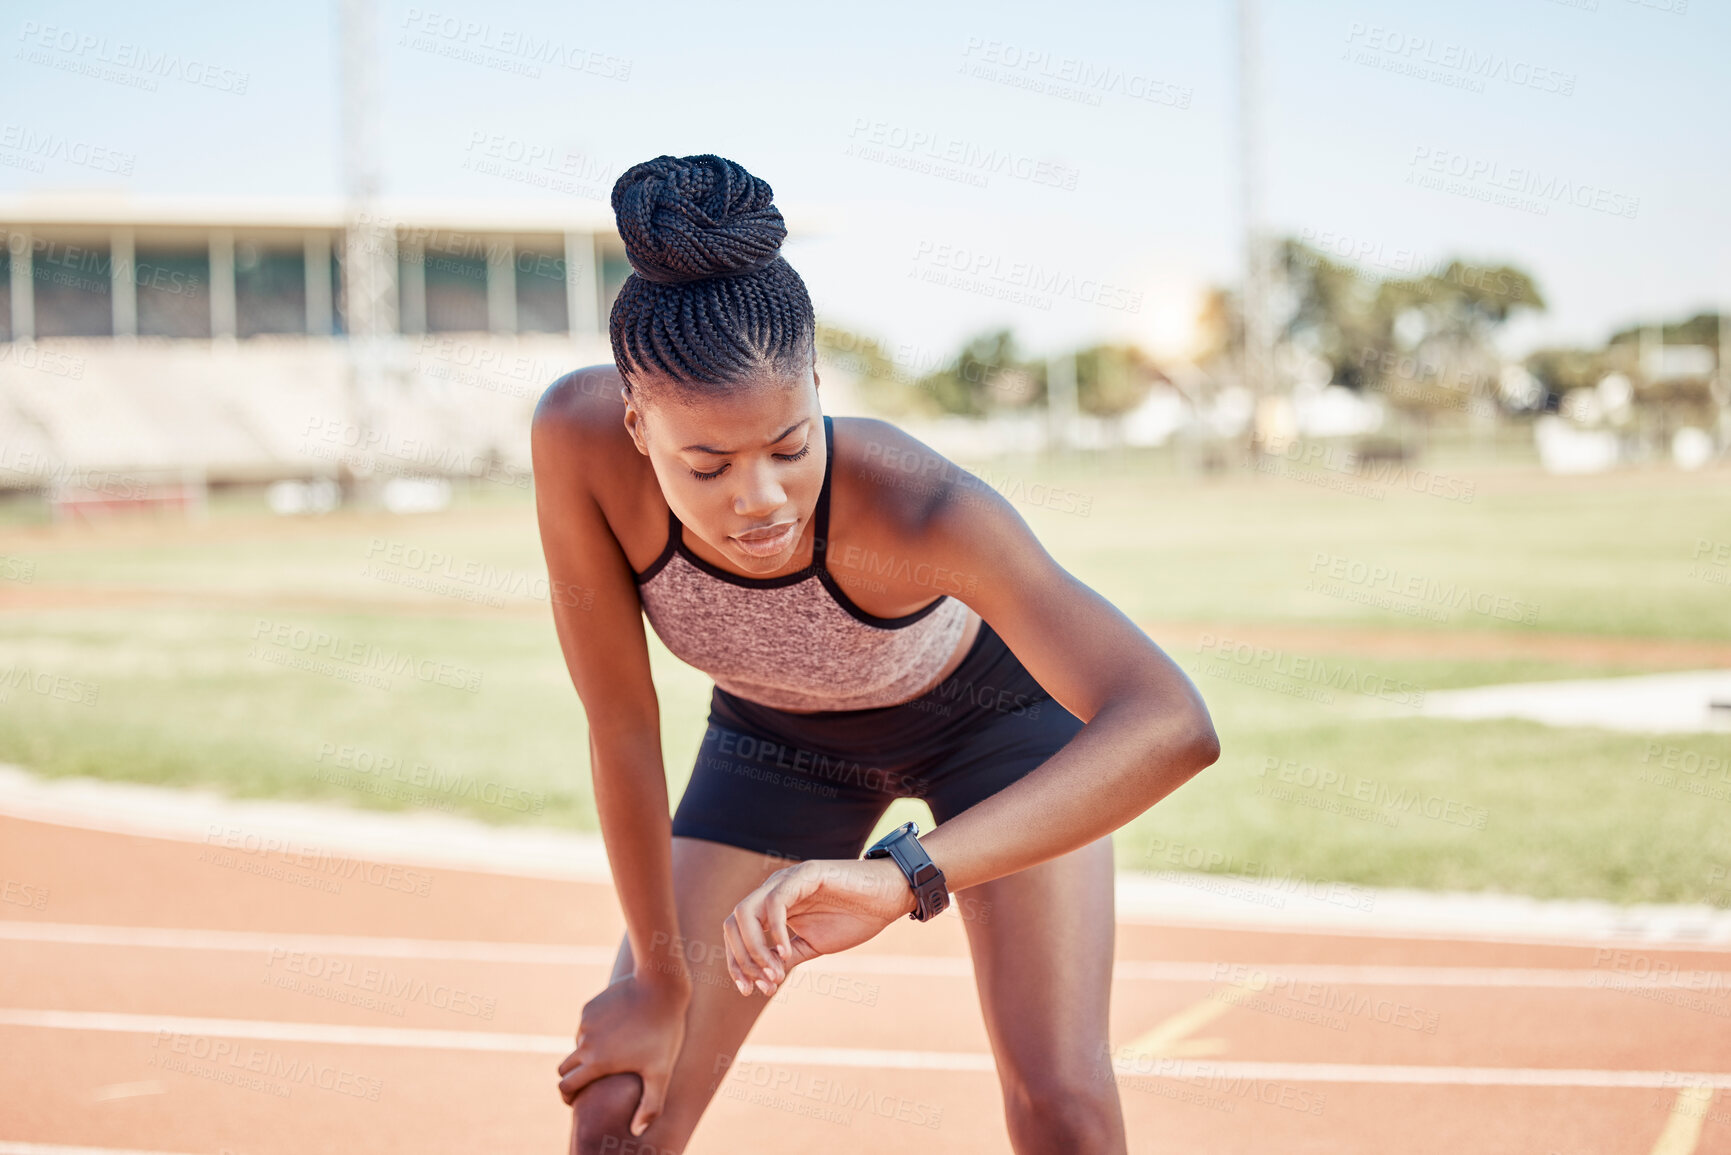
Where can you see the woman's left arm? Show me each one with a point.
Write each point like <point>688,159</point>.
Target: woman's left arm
<point>1146,731</point>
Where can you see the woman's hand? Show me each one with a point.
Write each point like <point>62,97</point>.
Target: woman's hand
<point>819,906</point>
<point>632,1025</point>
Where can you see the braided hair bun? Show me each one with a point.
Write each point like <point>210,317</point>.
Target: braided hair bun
<point>711,302</point>
<point>688,218</point>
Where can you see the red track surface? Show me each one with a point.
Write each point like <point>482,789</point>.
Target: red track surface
<point>98,1047</point>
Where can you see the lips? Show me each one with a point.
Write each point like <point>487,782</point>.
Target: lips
<point>768,533</point>
<point>767,544</point>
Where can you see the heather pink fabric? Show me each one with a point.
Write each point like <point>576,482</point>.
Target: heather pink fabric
<point>795,647</point>
<point>794,642</point>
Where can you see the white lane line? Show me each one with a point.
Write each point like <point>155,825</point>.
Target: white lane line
<point>182,938</point>
<point>285,1032</point>
<point>1191,1069</point>
<point>1652,972</point>
<point>128,1090</point>
<point>1206,1069</point>
<point>795,1056</point>
<point>13,1147</point>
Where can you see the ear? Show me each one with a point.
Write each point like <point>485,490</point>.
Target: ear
<point>634,422</point>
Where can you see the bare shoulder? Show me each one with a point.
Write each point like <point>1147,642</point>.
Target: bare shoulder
<point>895,482</point>
<point>907,522</point>
<point>578,428</point>
<point>581,403</point>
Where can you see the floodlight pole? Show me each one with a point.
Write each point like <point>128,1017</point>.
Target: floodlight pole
<point>1257,351</point>
<point>1061,405</point>
<point>369,244</point>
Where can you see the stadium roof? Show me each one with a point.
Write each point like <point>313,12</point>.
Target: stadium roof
<point>83,207</point>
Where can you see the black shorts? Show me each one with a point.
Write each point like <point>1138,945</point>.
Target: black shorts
<point>815,785</point>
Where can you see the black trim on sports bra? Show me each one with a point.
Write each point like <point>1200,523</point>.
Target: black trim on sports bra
<point>816,567</point>
<point>846,603</point>
<point>661,559</point>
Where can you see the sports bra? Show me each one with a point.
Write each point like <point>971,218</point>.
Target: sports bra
<point>795,641</point>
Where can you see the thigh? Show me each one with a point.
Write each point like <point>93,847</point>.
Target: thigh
<point>1041,941</point>
<point>709,878</point>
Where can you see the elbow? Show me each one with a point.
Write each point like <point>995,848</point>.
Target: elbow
<point>1199,746</point>
<point>1205,746</point>
<point>1176,740</point>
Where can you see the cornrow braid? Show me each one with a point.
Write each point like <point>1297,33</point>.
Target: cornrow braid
<point>710,301</point>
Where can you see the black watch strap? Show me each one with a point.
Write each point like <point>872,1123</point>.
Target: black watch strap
<point>923,875</point>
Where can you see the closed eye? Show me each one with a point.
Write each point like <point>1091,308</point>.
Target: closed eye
<point>714,473</point>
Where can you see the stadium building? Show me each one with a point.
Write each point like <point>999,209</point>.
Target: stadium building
<point>152,347</point>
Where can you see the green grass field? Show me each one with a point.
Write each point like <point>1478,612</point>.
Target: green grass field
<point>156,639</point>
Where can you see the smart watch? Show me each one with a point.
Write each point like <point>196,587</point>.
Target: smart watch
<point>927,881</point>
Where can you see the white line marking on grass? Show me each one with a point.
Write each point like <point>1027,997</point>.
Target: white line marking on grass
<point>1674,702</point>
<point>489,1041</point>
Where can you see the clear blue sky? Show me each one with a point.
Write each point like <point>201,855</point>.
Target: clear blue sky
<point>1622,100</point>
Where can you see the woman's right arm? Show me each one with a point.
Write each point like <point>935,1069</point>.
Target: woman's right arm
<point>597,615</point>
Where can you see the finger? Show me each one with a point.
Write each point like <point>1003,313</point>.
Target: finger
<point>751,960</point>
<point>573,1081</point>
<point>746,968</point>
<point>735,952</point>
<point>751,916</point>
<point>581,1076</point>
<point>568,1062</point>
<point>649,1107</point>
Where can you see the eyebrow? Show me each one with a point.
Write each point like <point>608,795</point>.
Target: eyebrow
<point>730,452</point>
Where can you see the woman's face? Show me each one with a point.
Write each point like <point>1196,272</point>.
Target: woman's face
<point>743,469</point>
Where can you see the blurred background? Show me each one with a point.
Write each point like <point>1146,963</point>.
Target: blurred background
<point>1372,357</point>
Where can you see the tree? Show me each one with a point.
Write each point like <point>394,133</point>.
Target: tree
<point>882,384</point>
<point>1445,323</point>
<point>1423,340</point>
<point>970,385</point>
<point>1334,312</point>
<point>1111,379</point>
<point>1701,329</point>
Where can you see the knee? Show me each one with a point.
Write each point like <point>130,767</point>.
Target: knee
<point>603,1119</point>
<point>1069,1113</point>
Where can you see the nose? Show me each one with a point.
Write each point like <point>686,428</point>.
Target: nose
<point>760,493</point>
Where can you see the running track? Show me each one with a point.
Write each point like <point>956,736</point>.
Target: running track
<point>161,993</point>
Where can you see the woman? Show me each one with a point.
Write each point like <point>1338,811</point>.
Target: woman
<point>864,607</point>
